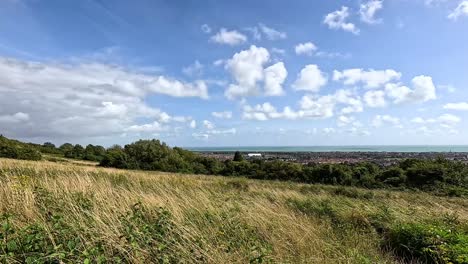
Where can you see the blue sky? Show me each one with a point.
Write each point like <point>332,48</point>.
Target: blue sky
<point>235,73</point>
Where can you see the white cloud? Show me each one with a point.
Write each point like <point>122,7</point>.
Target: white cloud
<point>449,119</point>
<point>310,79</point>
<point>214,132</point>
<point>193,124</point>
<point>380,120</point>
<point>462,106</point>
<point>423,90</point>
<point>208,125</point>
<point>445,120</point>
<point>219,62</point>
<point>222,115</point>
<point>345,120</point>
<point>371,78</point>
<point>148,128</point>
<point>306,48</point>
<point>82,99</point>
<point>346,97</point>
<point>368,11</point>
<point>206,28</point>
<point>176,88</point>
<point>337,20</point>
<point>247,69</point>
<point>196,69</point>
<point>311,107</point>
<point>256,34</point>
<point>230,131</point>
<point>275,75</point>
<point>271,33</point>
<point>266,111</point>
<point>201,136</point>
<point>15,118</point>
<point>229,37</point>
<point>375,98</point>
<point>460,10</point>
<point>321,107</point>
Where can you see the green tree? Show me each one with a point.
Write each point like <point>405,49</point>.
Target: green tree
<point>66,147</point>
<point>238,156</point>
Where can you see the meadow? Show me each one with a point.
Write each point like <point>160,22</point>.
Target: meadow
<point>75,212</point>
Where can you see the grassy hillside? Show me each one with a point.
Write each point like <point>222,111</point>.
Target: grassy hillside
<point>78,213</point>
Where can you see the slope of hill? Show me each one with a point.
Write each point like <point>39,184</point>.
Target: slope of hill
<point>52,212</point>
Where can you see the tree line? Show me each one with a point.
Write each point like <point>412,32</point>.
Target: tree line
<point>436,175</point>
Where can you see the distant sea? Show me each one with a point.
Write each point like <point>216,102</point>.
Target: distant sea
<point>419,148</point>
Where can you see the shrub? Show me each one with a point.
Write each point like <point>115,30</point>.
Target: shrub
<point>429,243</point>
<point>17,150</point>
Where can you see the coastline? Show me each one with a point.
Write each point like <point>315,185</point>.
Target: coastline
<point>350,148</point>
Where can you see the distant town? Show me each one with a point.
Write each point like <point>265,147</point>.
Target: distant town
<point>380,158</point>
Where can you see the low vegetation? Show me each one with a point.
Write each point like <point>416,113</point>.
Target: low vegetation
<point>65,210</point>
<point>52,212</point>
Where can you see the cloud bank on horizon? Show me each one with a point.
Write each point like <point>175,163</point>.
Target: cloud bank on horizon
<point>200,74</point>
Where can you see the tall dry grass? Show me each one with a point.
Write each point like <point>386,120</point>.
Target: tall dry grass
<point>210,219</point>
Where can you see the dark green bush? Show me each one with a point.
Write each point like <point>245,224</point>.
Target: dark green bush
<point>17,150</point>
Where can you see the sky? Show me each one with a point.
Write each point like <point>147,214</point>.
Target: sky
<point>235,73</point>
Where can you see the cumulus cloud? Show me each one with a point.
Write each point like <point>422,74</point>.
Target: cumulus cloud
<point>380,120</point>
<point>423,90</point>
<point>370,78</point>
<point>274,77</point>
<point>208,125</point>
<point>353,103</point>
<point>338,20</point>
<point>271,33</point>
<point>317,107</point>
<point>247,69</point>
<point>310,79</point>
<point>148,128</point>
<point>375,98</point>
<point>368,10</point>
<point>447,119</point>
<point>345,120</point>
<point>193,124</point>
<point>227,37</point>
<point>311,107</point>
<point>462,106</point>
<point>306,48</point>
<point>460,10</point>
<point>196,69</point>
<point>54,100</point>
<point>222,115</point>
